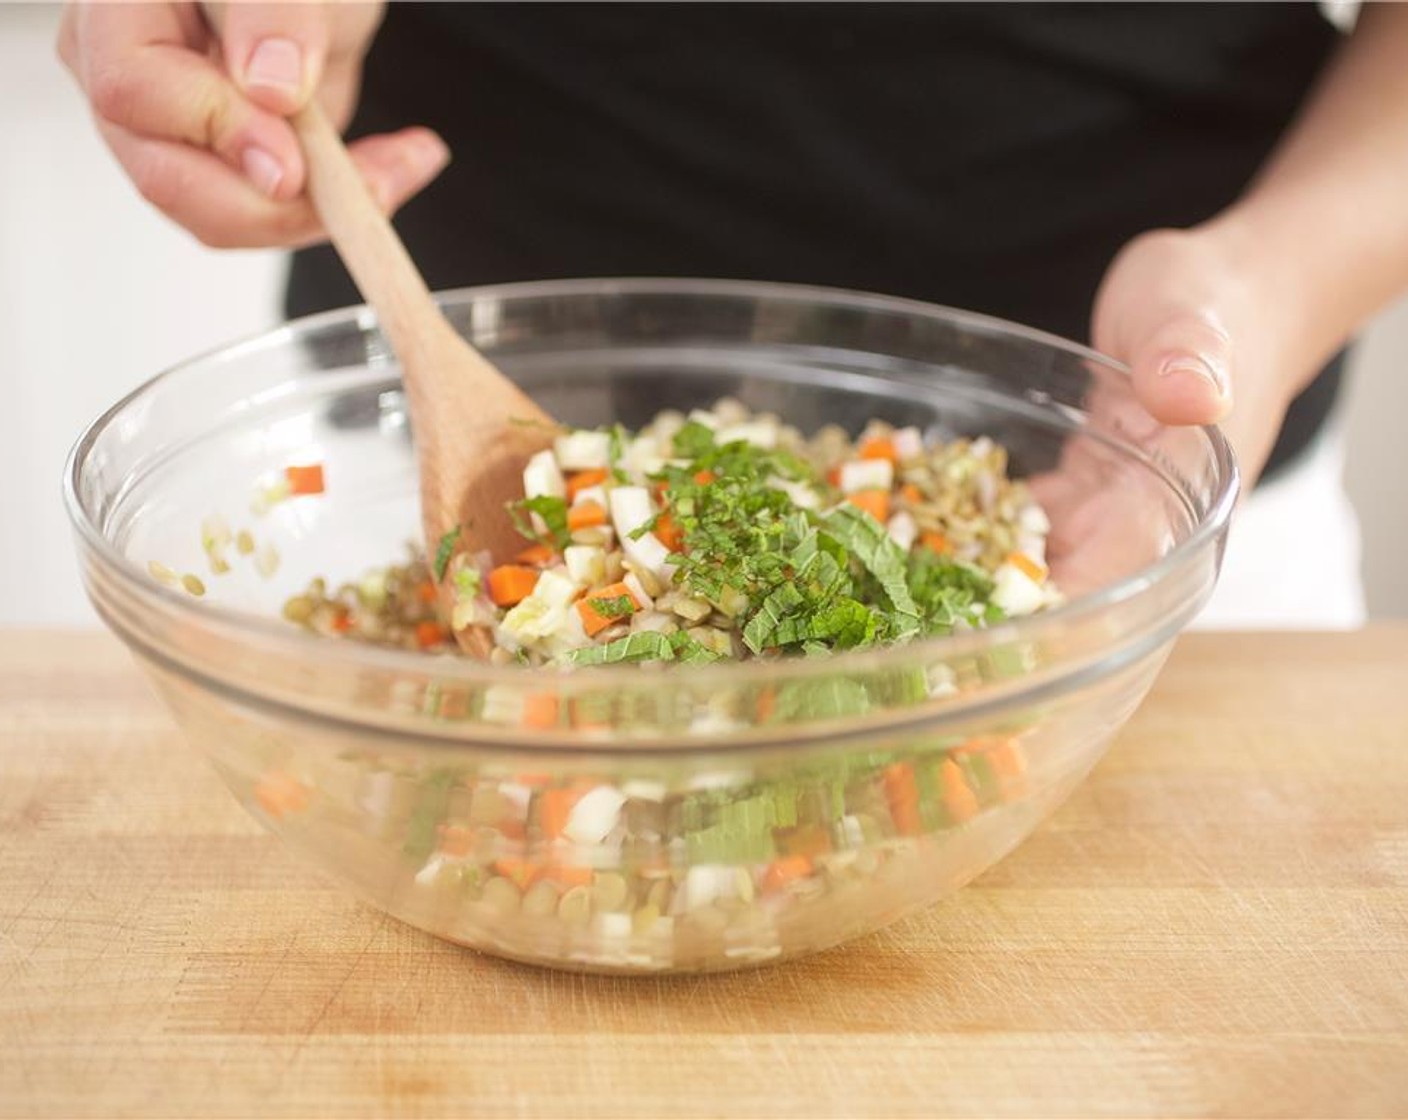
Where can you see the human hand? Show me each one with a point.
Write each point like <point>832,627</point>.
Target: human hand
<point>198,120</point>
<point>1207,338</point>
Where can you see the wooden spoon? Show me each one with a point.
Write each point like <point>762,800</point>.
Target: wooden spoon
<point>474,429</point>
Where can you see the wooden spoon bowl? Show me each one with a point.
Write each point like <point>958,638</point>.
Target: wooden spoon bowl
<point>474,429</point>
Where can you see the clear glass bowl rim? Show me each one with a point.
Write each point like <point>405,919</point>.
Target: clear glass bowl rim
<point>264,631</point>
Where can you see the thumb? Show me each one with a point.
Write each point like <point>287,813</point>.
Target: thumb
<point>275,52</point>
<point>1182,368</point>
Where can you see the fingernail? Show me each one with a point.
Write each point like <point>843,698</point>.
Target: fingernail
<point>276,64</point>
<point>262,169</point>
<point>1196,366</point>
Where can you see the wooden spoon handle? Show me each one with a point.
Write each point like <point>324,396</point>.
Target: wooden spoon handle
<point>369,247</point>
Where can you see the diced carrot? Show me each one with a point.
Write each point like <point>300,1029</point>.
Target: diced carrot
<point>568,875</point>
<point>874,502</point>
<point>833,475</point>
<point>554,807</point>
<point>511,828</point>
<point>934,541</point>
<point>585,515</point>
<point>429,634</point>
<point>536,556</point>
<point>783,871</point>
<point>342,623</point>
<point>578,481</point>
<point>902,793</point>
<point>455,839</point>
<point>518,871</point>
<point>593,620</point>
<point>454,704</point>
<point>510,584</point>
<point>1007,762</point>
<point>668,533</point>
<point>804,840</point>
<point>911,493</point>
<point>767,703</point>
<point>533,779</point>
<point>1034,569</point>
<point>280,794</point>
<point>305,479</point>
<point>540,710</point>
<point>880,447</point>
<point>426,592</point>
<point>958,798</point>
<point>703,478</point>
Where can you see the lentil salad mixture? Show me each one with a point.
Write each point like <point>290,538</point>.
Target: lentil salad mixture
<point>714,535</point>
<point>722,535</point>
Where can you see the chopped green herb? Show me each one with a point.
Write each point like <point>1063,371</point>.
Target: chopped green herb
<point>552,510</point>
<point>877,552</point>
<point>947,590</point>
<point>648,646</point>
<point>444,550</point>
<point>618,606</point>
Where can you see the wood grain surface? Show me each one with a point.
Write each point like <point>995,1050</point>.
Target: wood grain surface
<point>1215,924</point>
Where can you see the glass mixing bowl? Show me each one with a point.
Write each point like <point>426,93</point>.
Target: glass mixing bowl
<point>643,818</point>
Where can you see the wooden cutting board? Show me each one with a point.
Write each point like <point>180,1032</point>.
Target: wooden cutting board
<point>1216,924</point>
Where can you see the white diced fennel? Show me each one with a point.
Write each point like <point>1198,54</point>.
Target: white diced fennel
<point>708,419</point>
<point>903,529</point>
<point>431,871</point>
<point>569,635</point>
<point>759,433</point>
<point>544,612</point>
<point>704,883</point>
<point>595,815</point>
<point>1033,545</point>
<point>631,510</point>
<point>581,451</point>
<point>586,564</point>
<point>1015,591</point>
<point>595,494</point>
<point>909,444</point>
<point>1033,519</point>
<point>867,474</point>
<point>644,789</point>
<point>638,592</point>
<point>643,456</point>
<point>543,478</point>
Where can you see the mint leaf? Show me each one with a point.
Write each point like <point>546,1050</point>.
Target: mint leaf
<point>866,540</point>
<point>443,551</point>
<point>693,440</point>
<point>618,606</point>
<point>552,510</point>
<point>648,646</point>
<point>947,590</point>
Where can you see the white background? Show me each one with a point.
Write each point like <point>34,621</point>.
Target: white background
<point>98,292</point>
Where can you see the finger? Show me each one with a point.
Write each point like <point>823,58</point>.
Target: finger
<point>142,79</point>
<point>1182,370</point>
<point>201,193</point>
<point>398,166</point>
<point>275,52</point>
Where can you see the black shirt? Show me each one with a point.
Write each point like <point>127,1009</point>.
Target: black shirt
<point>990,157</point>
